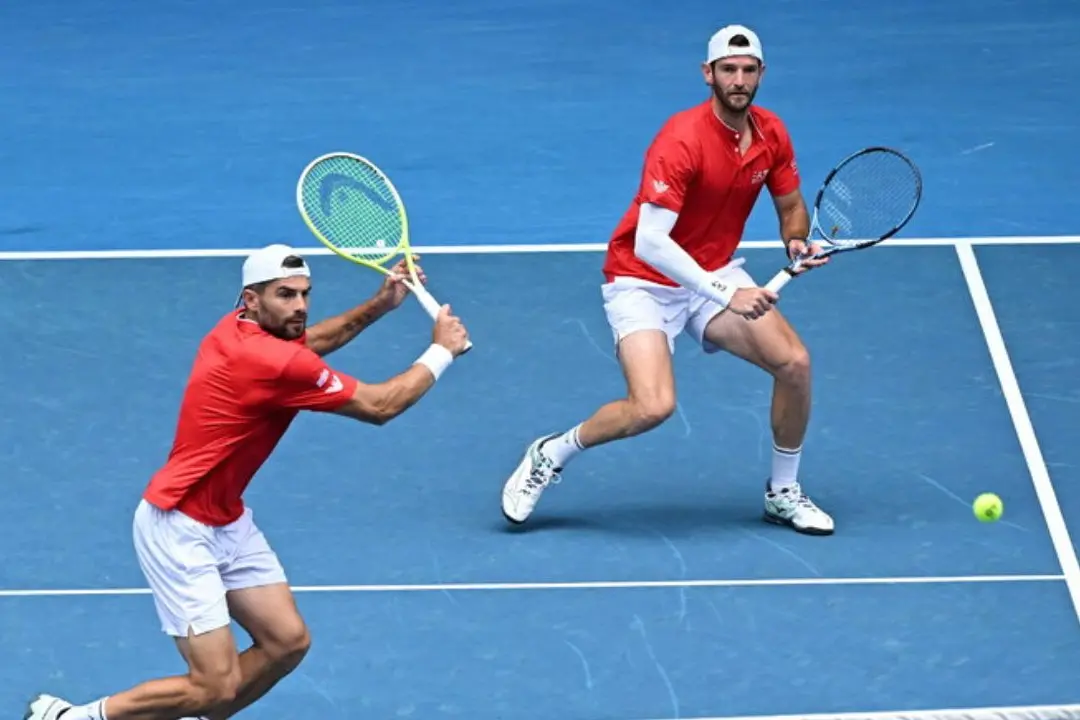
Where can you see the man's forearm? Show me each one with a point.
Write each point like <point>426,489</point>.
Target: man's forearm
<point>380,403</point>
<point>794,223</point>
<point>333,333</point>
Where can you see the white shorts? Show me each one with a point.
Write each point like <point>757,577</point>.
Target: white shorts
<point>190,566</point>
<point>632,304</point>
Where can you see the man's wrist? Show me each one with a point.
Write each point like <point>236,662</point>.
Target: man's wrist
<point>792,239</point>
<point>381,303</point>
<point>436,358</point>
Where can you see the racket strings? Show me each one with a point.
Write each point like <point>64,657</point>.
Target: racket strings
<point>868,197</point>
<point>352,205</point>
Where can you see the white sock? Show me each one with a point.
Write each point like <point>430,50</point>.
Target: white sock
<point>561,448</point>
<point>90,711</point>
<point>785,467</point>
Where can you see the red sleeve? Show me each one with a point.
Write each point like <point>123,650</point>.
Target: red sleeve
<point>308,383</point>
<point>784,173</point>
<point>670,167</point>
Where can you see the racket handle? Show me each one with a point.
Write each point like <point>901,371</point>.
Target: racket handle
<point>779,280</point>
<point>432,307</point>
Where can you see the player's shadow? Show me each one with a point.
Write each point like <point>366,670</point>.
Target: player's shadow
<point>673,519</point>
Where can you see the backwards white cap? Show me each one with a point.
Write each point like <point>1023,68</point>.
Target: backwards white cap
<point>268,263</point>
<point>720,44</point>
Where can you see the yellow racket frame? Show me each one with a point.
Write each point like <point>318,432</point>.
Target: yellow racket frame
<point>367,258</point>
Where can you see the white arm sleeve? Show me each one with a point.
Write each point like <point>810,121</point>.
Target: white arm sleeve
<point>653,244</point>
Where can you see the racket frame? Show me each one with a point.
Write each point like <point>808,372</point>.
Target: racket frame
<point>784,276</point>
<point>424,297</point>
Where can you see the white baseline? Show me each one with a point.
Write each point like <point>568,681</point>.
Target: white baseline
<point>181,253</point>
<point>590,585</point>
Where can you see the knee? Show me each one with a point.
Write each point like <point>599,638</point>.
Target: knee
<point>214,691</point>
<point>289,645</point>
<point>795,368</point>
<point>298,645</point>
<point>651,411</point>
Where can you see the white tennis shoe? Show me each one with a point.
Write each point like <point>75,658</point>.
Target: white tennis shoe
<point>792,507</point>
<point>46,707</point>
<point>528,482</point>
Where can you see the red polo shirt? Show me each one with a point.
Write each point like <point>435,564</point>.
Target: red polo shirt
<point>245,388</point>
<point>695,169</point>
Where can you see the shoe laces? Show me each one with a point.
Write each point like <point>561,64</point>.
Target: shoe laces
<point>543,473</point>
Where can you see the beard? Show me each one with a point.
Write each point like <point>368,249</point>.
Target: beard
<point>734,101</point>
<point>288,329</point>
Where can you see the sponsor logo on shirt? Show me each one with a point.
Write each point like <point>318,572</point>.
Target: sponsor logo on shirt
<point>659,186</point>
<point>335,382</point>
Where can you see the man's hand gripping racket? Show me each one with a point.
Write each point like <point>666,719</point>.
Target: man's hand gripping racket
<point>351,206</point>
<point>868,197</point>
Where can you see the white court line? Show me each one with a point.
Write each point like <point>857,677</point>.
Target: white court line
<point>1025,431</point>
<point>190,253</point>
<point>1027,712</point>
<point>597,585</point>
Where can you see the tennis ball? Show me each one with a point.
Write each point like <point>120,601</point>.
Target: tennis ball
<point>988,507</point>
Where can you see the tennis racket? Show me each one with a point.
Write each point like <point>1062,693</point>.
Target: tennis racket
<point>867,198</point>
<point>351,206</point>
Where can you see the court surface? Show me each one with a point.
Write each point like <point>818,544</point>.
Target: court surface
<point>148,147</point>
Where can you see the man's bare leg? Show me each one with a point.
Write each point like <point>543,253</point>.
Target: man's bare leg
<point>773,345</point>
<point>280,640</point>
<point>212,682</point>
<point>645,358</point>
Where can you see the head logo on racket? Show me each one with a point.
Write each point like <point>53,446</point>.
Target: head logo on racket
<point>351,206</point>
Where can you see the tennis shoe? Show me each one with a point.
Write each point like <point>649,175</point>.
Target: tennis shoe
<point>528,482</point>
<point>792,507</point>
<point>46,707</point>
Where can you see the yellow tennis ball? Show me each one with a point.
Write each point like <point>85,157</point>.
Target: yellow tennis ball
<point>988,507</point>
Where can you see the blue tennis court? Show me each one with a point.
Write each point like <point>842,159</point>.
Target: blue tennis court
<point>147,146</point>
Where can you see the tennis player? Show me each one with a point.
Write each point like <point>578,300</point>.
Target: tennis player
<point>206,561</point>
<point>670,268</point>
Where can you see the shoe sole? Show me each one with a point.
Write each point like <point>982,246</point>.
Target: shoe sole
<point>775,520</point>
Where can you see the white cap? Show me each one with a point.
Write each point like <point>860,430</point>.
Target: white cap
<point>268,263</point>
<point>720,44</point>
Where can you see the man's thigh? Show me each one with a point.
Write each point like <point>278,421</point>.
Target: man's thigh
<point>211,657</point>
<point>270,616</point>
<point>769,342</point>
<point>258,593</point>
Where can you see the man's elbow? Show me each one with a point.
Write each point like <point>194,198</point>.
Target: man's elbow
<point>379,420</point>
<point>384,412</point>
<point>643,245</point>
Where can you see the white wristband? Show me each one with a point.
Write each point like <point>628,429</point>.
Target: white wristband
<point>436,359</point>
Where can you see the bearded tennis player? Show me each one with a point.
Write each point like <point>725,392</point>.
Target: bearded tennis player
<point>206,561</point>
<point>670,268</point>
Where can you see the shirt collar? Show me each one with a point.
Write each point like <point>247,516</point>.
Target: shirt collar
<point>729,132</point>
